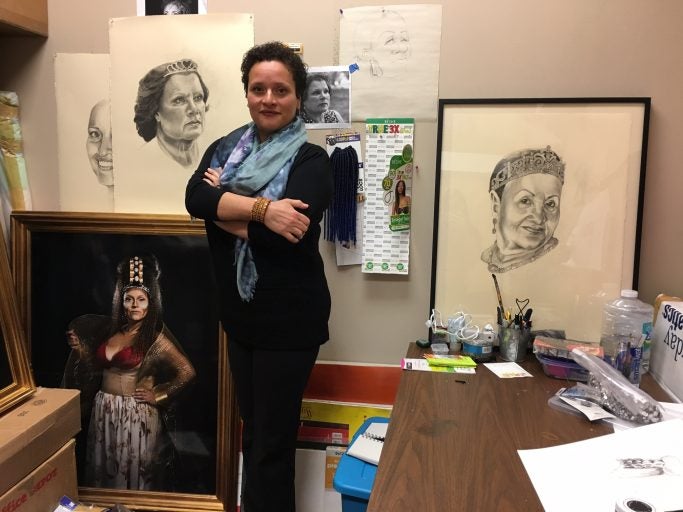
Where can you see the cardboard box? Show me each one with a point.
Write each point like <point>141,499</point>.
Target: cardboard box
<point>41,490</point>
<point>33,431</point>
<point>666,349</point>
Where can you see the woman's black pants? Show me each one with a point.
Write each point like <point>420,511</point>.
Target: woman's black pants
<point>269,385</point>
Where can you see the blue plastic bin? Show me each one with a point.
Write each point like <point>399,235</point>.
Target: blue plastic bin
<point>354,477</point>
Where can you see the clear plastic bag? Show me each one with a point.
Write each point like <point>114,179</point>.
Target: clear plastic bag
<point>616,393</point>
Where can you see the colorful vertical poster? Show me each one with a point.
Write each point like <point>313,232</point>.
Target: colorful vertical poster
<point>389,173</point>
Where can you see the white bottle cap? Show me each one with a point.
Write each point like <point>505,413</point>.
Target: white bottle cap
<point>629,294</point>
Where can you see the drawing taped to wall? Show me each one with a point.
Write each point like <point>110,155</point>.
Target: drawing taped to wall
<point>396,49</point>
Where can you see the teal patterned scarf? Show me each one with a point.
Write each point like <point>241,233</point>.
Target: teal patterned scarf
<point>253,169</point>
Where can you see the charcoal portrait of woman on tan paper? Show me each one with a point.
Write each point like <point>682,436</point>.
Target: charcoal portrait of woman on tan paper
<point>525,190</point>
<point>171,106</point>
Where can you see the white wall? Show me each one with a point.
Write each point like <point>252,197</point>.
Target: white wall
<point>489,49</point>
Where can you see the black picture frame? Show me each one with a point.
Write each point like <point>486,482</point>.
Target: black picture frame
<point>603,146</point>
<point>64,266</point>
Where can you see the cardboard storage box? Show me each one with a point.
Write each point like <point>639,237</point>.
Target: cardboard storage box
<point>41,490</point>
<point>31,432</point>
<point>666,349</point>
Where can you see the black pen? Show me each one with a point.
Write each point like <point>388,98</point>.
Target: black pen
<point>527,315</point>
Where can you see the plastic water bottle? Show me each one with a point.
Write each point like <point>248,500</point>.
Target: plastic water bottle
<point>626,332</point>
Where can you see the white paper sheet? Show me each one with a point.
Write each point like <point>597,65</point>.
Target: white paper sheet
<point>396,48</point>
<point>84,135</point>
<point>644,463</point>
<point>507,370</point>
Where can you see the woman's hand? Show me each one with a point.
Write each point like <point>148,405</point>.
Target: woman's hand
<point>283,218</point>
<point>213,177</point>
<point>145,395</point>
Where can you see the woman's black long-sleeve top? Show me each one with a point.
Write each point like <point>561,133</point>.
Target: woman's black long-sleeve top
<point>291,304</point>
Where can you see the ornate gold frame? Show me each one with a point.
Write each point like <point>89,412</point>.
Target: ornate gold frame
<point>24,226</point>
<point>12,340</point>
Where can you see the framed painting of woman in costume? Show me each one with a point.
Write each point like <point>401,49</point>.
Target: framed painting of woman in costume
<point>121,307</point>
<point>544,194</point>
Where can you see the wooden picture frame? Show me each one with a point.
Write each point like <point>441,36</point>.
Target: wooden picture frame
<point>16,379</point>
<point>64,266</point>
<point>602,148</point>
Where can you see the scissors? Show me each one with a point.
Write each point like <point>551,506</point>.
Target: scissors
<point>521,306</point>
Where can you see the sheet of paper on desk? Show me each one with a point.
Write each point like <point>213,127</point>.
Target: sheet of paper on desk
<point>643,464</point>
<point>507,370</point>
<point>424,366</point>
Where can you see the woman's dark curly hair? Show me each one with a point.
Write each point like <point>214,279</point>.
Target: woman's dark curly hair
<point>274,50</point>
<point>150,89</point>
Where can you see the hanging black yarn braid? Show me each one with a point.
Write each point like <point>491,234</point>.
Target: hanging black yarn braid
<point>340,218</point>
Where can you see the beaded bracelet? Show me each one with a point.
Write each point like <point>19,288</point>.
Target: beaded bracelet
<point>258,210</point>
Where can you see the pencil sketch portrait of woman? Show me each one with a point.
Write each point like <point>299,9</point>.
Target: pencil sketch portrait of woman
<point>98,143</point>
<point>383,43</point>
<point>525,189</point>
<point>171,107</point>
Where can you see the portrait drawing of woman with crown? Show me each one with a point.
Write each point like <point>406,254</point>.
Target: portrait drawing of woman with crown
<point>171,107</point>
<point>525,189</point>
<point>130,369</point>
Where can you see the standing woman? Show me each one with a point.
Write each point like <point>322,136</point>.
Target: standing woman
<point>262,190</point>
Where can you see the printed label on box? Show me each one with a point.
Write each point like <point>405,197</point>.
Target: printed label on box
<point>666,360</point>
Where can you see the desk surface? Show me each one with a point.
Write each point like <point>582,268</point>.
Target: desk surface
<point>453,446</point>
